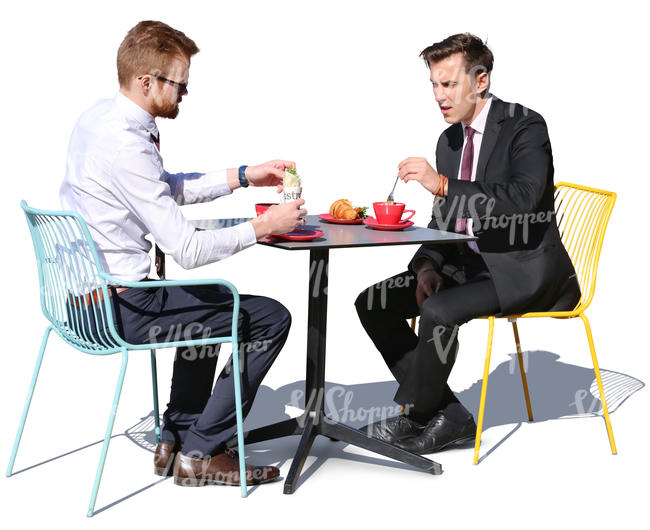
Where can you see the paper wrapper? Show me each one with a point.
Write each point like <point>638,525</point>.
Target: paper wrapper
<point>291,193</point>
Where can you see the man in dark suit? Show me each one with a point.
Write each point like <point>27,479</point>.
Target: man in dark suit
<point>494,180</point>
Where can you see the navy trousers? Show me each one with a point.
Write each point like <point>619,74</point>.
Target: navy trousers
<point>198,415</point>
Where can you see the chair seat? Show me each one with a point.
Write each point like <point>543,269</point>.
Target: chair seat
<point>538,314</point>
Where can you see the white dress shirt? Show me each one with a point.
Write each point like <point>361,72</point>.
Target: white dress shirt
<point>115,179</point>
<point>479,127</point>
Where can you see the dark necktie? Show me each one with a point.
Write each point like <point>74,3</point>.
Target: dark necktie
<point>466,171</point>
<point>160,255</point>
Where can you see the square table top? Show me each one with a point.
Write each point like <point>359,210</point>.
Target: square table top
<point>345,236</point>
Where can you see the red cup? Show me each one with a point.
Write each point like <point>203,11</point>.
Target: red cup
<point>261,207</point>
<point>390,214</point>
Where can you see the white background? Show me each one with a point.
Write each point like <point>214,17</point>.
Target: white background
<point>339,88</point>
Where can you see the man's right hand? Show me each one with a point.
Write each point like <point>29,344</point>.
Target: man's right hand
<point>279,219</point>
<point>429,281</point>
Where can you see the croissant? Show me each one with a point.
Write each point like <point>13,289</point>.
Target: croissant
<point>343,209</point>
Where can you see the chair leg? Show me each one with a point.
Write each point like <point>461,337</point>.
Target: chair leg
<point>481,408</point>
<point>109,431</point>
<point>522,371</point>
<point>601,390</point>
<point>154,378</point>
<point>28,402</point>
<point>240,417</point>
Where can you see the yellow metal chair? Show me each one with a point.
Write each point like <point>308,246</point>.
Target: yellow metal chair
<point>582,215</point>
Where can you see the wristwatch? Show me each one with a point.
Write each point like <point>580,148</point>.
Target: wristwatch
<point>243,181</point>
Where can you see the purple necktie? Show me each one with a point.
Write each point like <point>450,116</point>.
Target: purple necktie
<point>160,255</point>
<point>466,171</point>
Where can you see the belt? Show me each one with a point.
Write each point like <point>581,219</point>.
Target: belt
<point>97,295</point>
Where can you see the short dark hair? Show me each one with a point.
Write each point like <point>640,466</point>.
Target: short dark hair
<point>478,57</point>
<point>148,46</point>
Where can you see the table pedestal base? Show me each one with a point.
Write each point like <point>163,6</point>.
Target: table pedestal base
<point>312,424</point>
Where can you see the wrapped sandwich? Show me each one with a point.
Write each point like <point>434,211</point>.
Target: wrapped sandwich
<point>291,184</point>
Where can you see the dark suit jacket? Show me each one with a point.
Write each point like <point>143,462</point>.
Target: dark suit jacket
<point>511,202</point>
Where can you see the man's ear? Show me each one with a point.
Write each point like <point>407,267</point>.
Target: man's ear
<point>143,84</point>
<point>482,82</point>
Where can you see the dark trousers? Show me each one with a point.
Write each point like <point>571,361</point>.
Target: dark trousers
<point>421,363</point>
<point>199,416</point>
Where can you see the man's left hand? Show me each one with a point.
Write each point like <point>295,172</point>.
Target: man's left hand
<point>420,170</point>
<point>269,173</point>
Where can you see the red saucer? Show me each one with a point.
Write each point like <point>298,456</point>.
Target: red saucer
<point>329,219</point>
<point>372,223</point>
<point>300,235</point>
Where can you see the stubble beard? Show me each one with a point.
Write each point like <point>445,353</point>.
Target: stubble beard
<point>169,113</point>
<point>172,113</point>
<point>168,110</point>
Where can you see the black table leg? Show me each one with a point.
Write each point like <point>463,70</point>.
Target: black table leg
<point>270,432</point>
<point>352,436</point>
<point>306,440</point>
<point>316,327</point>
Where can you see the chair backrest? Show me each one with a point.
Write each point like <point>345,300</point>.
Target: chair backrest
<point>582,215</point>
<point>73,296</point>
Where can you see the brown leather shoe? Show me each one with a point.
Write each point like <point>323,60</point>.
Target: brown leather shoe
<point>164,458</point>
<point>222,468</point>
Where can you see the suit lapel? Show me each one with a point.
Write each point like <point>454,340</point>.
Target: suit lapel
<point>450,159</point>
<point>490,135</point>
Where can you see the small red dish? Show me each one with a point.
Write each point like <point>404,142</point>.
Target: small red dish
<point>372,223</point>
<point>329,219</point>
<point>300,235</point>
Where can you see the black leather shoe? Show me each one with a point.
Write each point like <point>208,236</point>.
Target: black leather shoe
<point>393,429</point>
<point>439,433</point>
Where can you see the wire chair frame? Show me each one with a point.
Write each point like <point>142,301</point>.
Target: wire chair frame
<point>68,275</point>
<point>582,217</point>
<point>582,214</point>
<point>74,297</point>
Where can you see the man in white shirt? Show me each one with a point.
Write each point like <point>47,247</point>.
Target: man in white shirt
<point>115,179</point>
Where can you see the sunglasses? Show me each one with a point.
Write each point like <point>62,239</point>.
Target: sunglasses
<point>182,87</point>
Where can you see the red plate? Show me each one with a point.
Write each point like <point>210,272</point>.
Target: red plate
<point>300,235</point>
<point>372,223</point>
<point>329,219</point>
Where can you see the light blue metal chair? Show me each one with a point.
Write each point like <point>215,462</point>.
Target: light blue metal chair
<point>75,299</point>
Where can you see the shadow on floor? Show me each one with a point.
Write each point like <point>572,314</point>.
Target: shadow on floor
<point>557,390</point>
